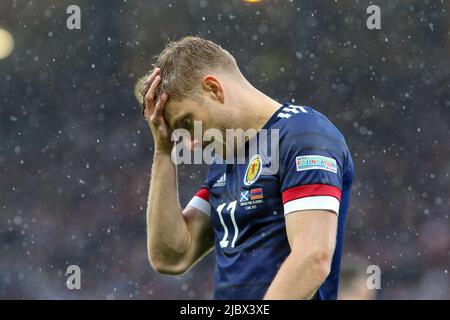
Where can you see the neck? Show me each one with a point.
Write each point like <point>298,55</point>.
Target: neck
<point>252,111</point>
<point>255,109</point>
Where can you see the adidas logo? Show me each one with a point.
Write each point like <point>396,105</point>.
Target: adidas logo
<point>288,111</point>
<point>221,182</point>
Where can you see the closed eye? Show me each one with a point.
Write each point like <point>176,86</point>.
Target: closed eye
<point>186,123</point>
<point>182,121</point>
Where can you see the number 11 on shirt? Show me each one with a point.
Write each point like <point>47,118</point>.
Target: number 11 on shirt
<point>231,208</point>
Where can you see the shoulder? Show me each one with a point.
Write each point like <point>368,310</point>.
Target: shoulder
<point>305,124</point>
<point>305,132</point>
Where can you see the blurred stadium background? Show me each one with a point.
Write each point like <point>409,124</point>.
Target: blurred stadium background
<point>75,153</point>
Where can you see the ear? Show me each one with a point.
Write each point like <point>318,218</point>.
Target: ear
<point>213,86</point>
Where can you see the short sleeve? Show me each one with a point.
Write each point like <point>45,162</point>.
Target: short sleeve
<point>311,172</point>
<point>200,201</point>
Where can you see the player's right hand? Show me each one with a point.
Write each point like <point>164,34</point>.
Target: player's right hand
<point>153,113</point>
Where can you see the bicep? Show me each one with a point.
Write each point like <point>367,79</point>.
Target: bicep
<point>200,234</point>
<point>312,230</point>
<point>197,216</point>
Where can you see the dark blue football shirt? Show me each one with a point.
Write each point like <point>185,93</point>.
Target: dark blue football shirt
<point>247,203</point>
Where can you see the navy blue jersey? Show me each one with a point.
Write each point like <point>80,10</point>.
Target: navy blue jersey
<point>247,203</point>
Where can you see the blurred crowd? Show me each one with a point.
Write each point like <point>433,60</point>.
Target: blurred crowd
<point>75,152</point>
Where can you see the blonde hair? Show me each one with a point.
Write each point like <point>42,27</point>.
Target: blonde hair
<point>183,63</point>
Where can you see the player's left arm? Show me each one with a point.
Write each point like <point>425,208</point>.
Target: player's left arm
<point>312,238</point>
<point>313,162</point>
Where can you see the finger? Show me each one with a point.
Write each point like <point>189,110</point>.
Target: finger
<point>147,84</point>
<point>157,115</point>
<point>160,105</point>
<point>154,85</point>
<point>153,75</point>
<point>150,96</point>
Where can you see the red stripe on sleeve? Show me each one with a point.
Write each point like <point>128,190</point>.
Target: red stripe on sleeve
<point>311,190</point>
<point>203,193</point>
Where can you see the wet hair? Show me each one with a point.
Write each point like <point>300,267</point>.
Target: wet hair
<point>183,63</point>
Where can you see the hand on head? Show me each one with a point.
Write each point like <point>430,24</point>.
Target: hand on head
<point>153,110</point>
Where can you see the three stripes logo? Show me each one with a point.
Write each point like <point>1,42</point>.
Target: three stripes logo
<point>288,111</point>
<point>221,182</point>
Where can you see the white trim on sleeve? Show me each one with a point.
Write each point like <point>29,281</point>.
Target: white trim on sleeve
<point>312,203</point>
<point>200,204</point>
